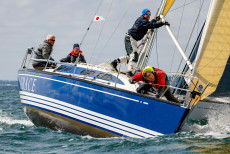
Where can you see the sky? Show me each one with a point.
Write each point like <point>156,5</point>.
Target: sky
<point>26,23</point>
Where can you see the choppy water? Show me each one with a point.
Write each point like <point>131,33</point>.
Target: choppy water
<point>18,135</point>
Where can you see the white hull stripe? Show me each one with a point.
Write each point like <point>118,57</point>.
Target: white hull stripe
<point>80,118</point>
<point>65,110</point>
<point>89,114</point>
<point>80,86</point>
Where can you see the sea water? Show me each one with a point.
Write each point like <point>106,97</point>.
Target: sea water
<point>19,135</point>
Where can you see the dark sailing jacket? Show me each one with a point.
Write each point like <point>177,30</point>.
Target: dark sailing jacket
<point>72,57</point>
<point>43,52</point>
<point>141,26</point>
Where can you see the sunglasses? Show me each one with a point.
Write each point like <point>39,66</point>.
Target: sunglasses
<point>148,14</point>
<point>76,48</point>
<point>52,40</point>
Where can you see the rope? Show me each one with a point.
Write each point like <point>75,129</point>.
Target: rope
<point>91,23</point>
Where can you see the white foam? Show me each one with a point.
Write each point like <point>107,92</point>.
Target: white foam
<point>219,99</point>
<point>218,124</point>
<point>10,121</point>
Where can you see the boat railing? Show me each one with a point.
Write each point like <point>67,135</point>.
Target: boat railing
<point>183,92</point>
<point>28,58</point>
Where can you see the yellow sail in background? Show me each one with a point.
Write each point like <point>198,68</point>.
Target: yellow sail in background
<point>214,49</point>
<point>168,5</point>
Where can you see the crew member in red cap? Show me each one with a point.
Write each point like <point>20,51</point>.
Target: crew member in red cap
<point>74,56</point>
<point>136,33</point>
<point>153,78</point>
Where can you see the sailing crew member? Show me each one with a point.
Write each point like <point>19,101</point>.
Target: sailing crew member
<point>75,54</point>
<point>44,52</point>
<point>136,33</point>
<point>153,78</point>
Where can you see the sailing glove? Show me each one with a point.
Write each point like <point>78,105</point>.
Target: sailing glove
<point>167,23</point>
<point>143,88</point>
<point>160,92</point>
<point>158,18</point>
<point>132,80</point>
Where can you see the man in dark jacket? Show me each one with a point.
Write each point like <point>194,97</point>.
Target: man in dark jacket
<point>44,52</point>
<point>136,33</point>
<point>75,54</point>
<point>153,78</point>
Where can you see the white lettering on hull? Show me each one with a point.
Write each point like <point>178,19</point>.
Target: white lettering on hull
<point>27,83</point>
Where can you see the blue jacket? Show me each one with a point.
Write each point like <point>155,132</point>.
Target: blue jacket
<point>141,26</point>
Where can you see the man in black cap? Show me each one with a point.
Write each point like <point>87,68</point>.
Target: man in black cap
<point>75,55</point>
<point>136,33</point>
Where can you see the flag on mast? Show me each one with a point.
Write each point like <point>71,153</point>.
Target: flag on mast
<point>98,18</point>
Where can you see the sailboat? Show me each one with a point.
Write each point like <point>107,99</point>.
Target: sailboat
<point>87,99</point>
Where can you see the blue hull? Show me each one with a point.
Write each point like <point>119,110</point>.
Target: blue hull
<point>85,108</point>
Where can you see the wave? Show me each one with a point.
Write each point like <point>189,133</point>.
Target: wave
<point>225,100</point>
<point>4,119</point>
<point>216,125</point>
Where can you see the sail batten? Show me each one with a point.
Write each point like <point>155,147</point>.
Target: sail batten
<point>214,49</point>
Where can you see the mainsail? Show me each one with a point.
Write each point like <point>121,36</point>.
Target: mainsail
<point>214,50</point>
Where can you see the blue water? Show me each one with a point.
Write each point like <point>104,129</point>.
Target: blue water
<point>19,135</point>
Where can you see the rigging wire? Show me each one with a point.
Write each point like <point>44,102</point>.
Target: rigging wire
<point>90,23</point>
<point>120,21</point>
<point>182,6</point>
<point>191,34</point>
<point>201,6</point>
<point>157,51</point>
<point>178,32</point>
<point>101,31</point>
